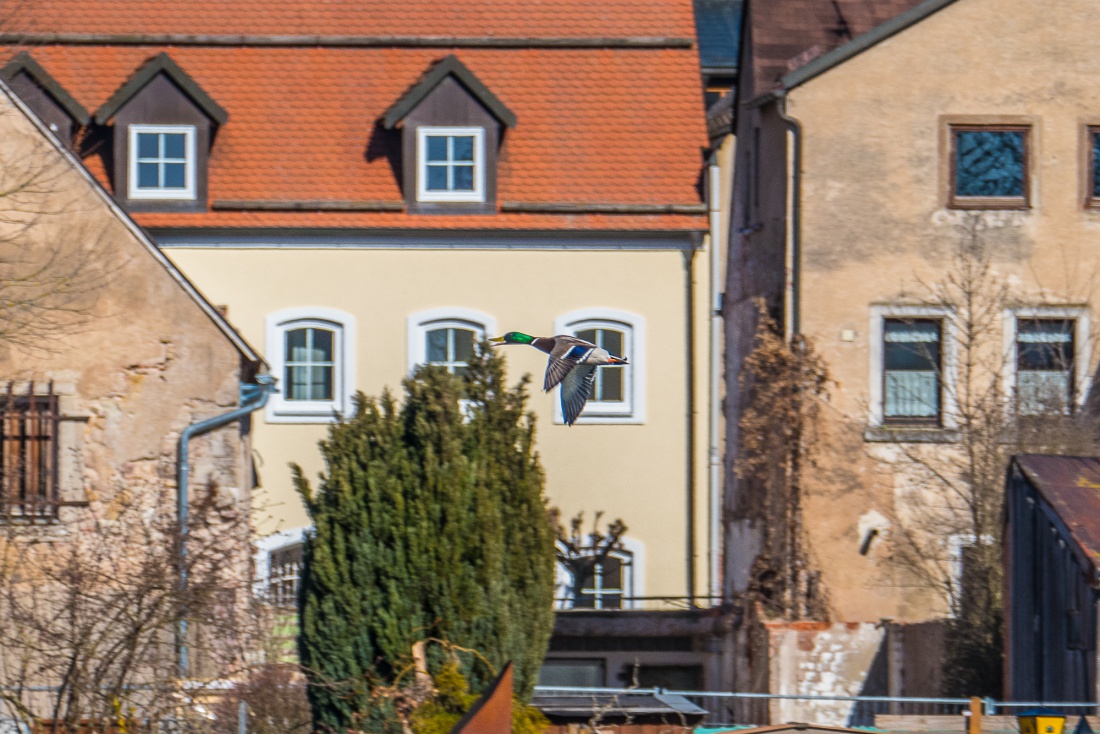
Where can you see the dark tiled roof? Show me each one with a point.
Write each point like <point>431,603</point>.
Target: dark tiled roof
<point>787,34</point>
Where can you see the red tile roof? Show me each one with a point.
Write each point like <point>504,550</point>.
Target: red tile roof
<point>605,125</point>
<point>787,34</point>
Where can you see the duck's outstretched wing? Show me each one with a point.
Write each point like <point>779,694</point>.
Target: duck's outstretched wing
<point>575,389</point>
<point>569,351</point>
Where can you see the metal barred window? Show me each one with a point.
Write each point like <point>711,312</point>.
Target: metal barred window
<point>28,469</point>
<point>1044,365</point>
<point>912,370</point>
<point>285,572</point>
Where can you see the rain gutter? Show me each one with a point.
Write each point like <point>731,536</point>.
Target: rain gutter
<point>253,397</point>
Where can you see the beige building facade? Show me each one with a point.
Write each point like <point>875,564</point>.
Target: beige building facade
<point>948,135</point>
<point>632,464</point>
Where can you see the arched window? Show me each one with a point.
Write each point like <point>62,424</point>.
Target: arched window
<point>311,352</point>
<point>618,395</point>
<point>600,578</point>
<point>446,337</point>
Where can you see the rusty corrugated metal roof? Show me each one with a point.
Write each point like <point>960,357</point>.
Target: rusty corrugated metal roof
<point>1071,485</point>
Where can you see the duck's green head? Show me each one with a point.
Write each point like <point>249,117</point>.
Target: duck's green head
<point>513,337</point>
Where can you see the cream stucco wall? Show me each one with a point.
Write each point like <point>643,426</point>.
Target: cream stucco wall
<point>636,472</point>
<point>875,223</point>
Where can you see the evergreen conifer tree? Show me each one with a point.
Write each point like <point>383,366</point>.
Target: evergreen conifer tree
<point>429,523</point>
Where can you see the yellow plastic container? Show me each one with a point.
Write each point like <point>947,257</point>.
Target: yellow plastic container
<point>1041,721</point>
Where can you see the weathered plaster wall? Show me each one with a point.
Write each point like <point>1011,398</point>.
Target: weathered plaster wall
<point>137,359</point>
<point>876,224</point>
<point>819,659</point>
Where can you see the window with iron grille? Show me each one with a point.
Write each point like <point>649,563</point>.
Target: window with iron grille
<point>912,370</point>
<point>1044,365</point>
<point>28,464</point>
<point>284,574</point>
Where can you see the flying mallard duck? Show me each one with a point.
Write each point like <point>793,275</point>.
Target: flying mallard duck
<point>573,363</point>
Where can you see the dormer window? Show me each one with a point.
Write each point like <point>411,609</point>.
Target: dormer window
<point>162,162</point>
<point>163,126</point>
<point>452,128</point>
<point>450,164</point>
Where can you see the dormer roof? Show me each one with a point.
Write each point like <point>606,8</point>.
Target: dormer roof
<point>24,63</point>
<point>162,63</point>
<point>448,66</point>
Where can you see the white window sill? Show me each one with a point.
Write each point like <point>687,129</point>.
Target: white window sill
<point>285,415</point>
<point>910,434</point>
<point>592,420</point>
<point>161,195</point>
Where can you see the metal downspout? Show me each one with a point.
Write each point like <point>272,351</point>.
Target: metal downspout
<point>714,372</point>
<point>253,397</point>
<point>794,224</point>
<point>689,326</point>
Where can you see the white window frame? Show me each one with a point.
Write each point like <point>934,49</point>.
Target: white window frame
<point>189,189</point>
<point>633,577</point>
<point>342,324</point>
<point>950,347</point>
<point>421,322</point>
<point>422,192</point>
<point>1082,345</point>
<point>632,409</point>
<point>956,542</point>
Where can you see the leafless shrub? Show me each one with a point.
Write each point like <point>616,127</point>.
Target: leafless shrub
<point>786,383</point>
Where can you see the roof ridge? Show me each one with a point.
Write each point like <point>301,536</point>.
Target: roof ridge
<point>349,41</point>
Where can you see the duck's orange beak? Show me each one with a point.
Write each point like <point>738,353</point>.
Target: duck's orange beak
<point>618,360</point>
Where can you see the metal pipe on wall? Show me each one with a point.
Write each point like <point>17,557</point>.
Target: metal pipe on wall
<point>689,327</point>
<point>253,397</point>
<point>714,373</point>
<point>794,221</point>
